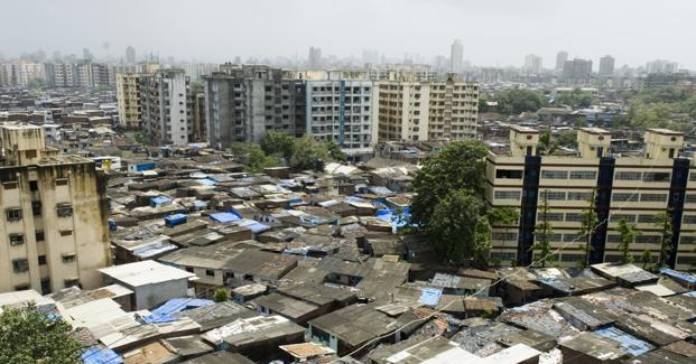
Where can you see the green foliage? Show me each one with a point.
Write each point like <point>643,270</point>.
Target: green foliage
<point>28,336</point>
<point>253,156</point>
<point>518,100</point>
<point>450,205</point>
<point>309,154</point>
<point>627,233</point>
<point>278,143</point>
<point>588,224</point>
<point>664,223</point>
<point>458,166</point>
<point>646,259</point>
<point>221,295</point>
<point>483,103</point>
<point>663,107</point>
<point>575,99</point>
<point>543,233</point>
<point>335,152</point>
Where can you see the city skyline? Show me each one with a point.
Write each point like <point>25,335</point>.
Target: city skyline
<point>515,30</point>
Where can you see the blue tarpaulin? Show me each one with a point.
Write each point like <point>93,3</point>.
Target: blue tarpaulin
<point>165,313</point>
<point>207,182</point>
<point>430,296</point>
<point>145,166</point>
<point>629,343</point>
<point>255,226</point>
<point>225,217</point>
<point>174,219</point>
<point>100,355</point>
<point>159,201</point>
<point>397,219</point>
<point>680,276</point>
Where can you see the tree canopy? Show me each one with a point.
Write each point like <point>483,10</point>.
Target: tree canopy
<point>519,100</point>
<point>29,336</point>
<point>450,206</point>
<point>278,148</point>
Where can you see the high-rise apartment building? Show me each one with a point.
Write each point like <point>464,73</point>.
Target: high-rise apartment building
<point>662,66</point>
<point>314,60</point>
<point>577,70</point>
<point>54,218</point>
<point>21,73</point>
<point>561,58</point>
<point>128,97</point>
<point>342,111</point>
<point>412,110</point>
<point>533,63</point>
<point>165,105</point>
<point>633,189</point>
<point>456,56</point>
<point>244,102</point>
<point>606,66</point>
<point>130,55</point>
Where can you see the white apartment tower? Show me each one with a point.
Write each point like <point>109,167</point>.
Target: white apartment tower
<point>165,105</point>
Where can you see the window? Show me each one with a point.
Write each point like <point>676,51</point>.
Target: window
<point>65,232</point>
<point>579,196</point>
<point>503,256</point>
<point>39,235</point>
<point>33,186</point>
<point>624,197</point>
<point>189,269</point>
<point>68,258</point>
<point>508,173</point>
<point>36,208</point>
<point>42,260</point>
<point>553,195</point>
<point>71,282</point>
<point>554,174</point>
<point>589,175</point>
<point>13,214</point>
<point>61,182</point>
<point>551,216</point>
<point>573,217</point>
<point>656,176</point>
<point>16,239</point>
<point>647,219</point>
<point>572,238</point>
<point>552,237</point>
<point>653,197</point>
<point>20,265</point>
<point>691,198</point>
<point>572,257</point>
<point>618,217</point>
<point>64,209</point>
<point>504,236</point>
<point>628,176</point>
<point>507,195</point>
<point>648,239</point>
<point>9,185</point>
<point>690,219</point>
<point>613,238</point>
<point>687,239</point>
<point>210,273</point>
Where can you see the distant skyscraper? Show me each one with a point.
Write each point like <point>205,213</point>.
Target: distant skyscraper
<point>606,66</point>
<point>578,70</point>
<point>314,57</point>
<point>87,54</point>
<point>661,66</point>
<point>561,58</point>
<point>533,63</point>
<point>130,55</point>
<point>456,56</point>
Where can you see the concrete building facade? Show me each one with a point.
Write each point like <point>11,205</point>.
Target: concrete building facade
<point>411,110</point>
<point>606,66</point>
<point>128,97</point>
<point>342,111</point>
<point>577,70</point>
<point>244,102</point>
<point>165,101</point>
<point>634,189</point>
<point>54,230</point>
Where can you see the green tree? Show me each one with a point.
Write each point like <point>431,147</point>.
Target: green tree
<point>627,233</point>
<point>457,166</point>
<point>335,152</point>
<point>221,295</point>
<point>588,224</point>
<point>543,232</point>
<point>278,143</point>
<point>664,223</point>
<point>454,224</point>
<point>518,100</point>
<point>646,259</point>
<point>482,241</point>
<point>309,154</point>
<point>253,156</point>
<point>29,336</point>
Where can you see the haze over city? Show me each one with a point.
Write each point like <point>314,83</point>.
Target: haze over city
<point>494,33</point>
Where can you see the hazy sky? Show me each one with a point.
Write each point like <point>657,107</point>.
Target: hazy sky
<point>494,32</point>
